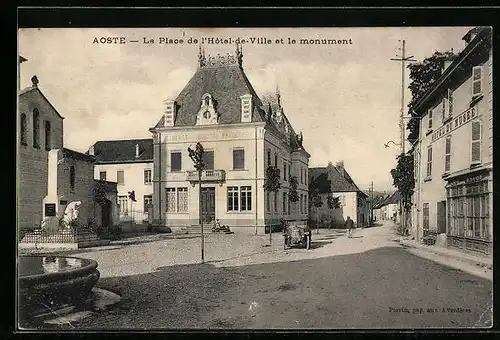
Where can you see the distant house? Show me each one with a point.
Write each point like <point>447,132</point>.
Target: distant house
<point>129,163</point>
<point>337,181</point>
<point>388,208</point>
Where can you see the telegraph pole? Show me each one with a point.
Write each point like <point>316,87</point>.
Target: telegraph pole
<point>371,204</point>
<point>402,59</point>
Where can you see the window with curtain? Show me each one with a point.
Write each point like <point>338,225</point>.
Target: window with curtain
<point>182,199</point>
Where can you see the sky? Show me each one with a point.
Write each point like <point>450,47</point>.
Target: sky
<point>344,98</point>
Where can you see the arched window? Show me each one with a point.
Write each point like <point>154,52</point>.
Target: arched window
<point>36,128</point>
<point>23,136</point>
<point>72,178</point>
<point>47,135</point>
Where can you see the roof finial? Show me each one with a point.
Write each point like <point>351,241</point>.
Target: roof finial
<point>278,96</point>
<point>201,56</point>
<point>239,53</point>
<point>34,81</point>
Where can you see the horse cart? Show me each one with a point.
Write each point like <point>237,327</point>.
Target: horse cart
<point>296,236</point>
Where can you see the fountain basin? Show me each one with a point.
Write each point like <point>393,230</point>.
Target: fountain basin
<point>47,282</point>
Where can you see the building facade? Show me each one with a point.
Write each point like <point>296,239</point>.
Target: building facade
<point>335,180</point>
<point>241,138</point>
<point>129,163</point>
<point>50,176</point>
<point>40,129</point>
<point>454,152</point>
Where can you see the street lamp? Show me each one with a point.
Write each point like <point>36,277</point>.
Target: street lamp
<point>387,144</point>
<point>197,158</point>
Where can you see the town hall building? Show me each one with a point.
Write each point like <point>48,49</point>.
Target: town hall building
<point>241,137</point>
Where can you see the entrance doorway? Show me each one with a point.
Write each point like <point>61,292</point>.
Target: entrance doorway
<point>106,214</point>
<point>441,217</point>
<point>208,204</point>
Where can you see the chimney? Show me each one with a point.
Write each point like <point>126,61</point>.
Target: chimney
<point>91,151</point>
<point>137,151</point>
<point>469,36</point>
<point>340,167</point>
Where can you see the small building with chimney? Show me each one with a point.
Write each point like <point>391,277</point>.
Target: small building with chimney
<point>334,180</point>
<point>242,138</point>
<point>129,163</point>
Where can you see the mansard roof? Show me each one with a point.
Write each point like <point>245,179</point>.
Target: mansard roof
<point>225,84</point>
<point>123,151</point>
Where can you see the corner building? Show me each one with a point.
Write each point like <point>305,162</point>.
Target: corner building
<point>454,152</point>
<point>220,109</point>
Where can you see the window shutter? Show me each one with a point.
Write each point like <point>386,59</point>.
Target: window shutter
<point>120,177</point>
<point>444,108</point>
<point>447,155</point>
<point>477,77</point>
<point>430,119</point>
<point>450,102</point>
<point>476,142</point>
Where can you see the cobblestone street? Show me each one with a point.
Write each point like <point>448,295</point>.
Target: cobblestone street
<point>368,281</point>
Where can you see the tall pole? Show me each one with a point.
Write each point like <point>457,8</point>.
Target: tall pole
<point>201,220</point>
<point>371,203</point>
<point>403,59</point>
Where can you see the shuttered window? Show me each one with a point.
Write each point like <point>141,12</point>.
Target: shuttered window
<point>208,159</point>
<point>238,159</point>
<point>447,156</point>
<point>476,142</point>
<point>426,216</point>
<point>477,80</point>
<point>120,177</point>
<point>429,161</point>
<point>450,102</point>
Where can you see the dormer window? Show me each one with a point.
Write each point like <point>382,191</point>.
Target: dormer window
<point>169,112</point>
<point>207,114</point>
<point>246,108</point>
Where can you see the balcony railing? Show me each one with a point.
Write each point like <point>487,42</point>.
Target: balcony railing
<point>206,176</point>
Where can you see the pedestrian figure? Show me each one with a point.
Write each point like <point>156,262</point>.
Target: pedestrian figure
<point>350,225</point>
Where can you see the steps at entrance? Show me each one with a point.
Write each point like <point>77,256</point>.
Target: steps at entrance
<point>196,229</point>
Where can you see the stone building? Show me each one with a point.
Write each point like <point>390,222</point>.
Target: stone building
<point>219,108</point>
<point>129,163</point>
<point>335,180</point>
<point>454,152</point>
<point>40,134</point>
